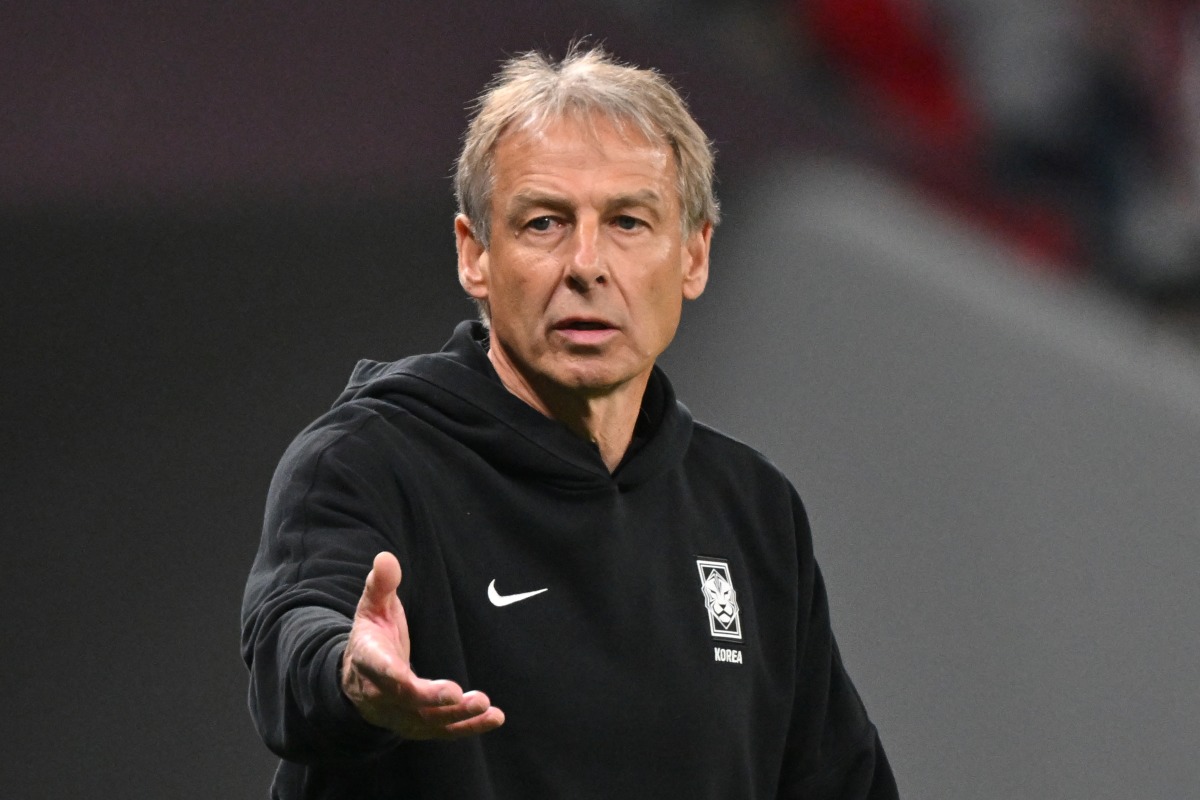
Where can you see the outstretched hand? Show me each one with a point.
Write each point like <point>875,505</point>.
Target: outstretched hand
<point>378,679</point>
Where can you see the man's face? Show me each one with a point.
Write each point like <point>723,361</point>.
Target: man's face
<point>587,268</point>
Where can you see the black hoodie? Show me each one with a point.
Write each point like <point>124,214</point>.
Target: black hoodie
<point>681,647</point>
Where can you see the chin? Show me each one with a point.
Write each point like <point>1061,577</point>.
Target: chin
<point>594,375</point>
<point>595,381</point>
<point>587,383</point>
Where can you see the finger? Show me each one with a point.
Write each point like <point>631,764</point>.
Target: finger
<point>382,582</point>
<point>433,694</point>
<point>487,721</point>
<point>386,563</point>
<point>472,704</point>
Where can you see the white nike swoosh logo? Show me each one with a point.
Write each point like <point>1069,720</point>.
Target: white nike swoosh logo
<point>508,599</point>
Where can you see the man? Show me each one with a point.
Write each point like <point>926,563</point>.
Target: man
<point>635,590</point>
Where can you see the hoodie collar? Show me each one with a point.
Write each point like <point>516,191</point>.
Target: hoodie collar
<point>458,391</point>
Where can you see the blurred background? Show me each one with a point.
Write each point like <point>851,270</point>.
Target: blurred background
<point>956,297</point>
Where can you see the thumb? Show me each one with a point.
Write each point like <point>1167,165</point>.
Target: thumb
<point>382,582</point>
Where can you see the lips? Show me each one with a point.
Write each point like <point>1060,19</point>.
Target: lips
<point>585,331</point>
<point>582,324</point>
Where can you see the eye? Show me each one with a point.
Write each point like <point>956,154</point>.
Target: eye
<point>540,224</point>
<point>627,223</point>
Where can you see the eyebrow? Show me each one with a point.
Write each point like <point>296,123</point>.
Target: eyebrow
<point>646,198</point>
<point>522,202</point>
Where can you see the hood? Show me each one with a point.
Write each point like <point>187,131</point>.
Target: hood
<point>458,392</point>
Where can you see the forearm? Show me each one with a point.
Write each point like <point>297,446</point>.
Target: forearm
<point>333,505</point>
<point>295,693</point>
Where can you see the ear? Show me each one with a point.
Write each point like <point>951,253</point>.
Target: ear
<point>472,260</point>
<point>695,262</point>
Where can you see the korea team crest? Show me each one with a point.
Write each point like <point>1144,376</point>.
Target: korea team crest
<point>720,598</point>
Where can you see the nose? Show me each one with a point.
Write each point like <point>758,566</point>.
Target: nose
<point>586,265</point>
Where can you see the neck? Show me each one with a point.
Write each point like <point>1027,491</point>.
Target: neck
<point>604,417</point>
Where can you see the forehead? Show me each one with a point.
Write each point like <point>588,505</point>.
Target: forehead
<point>577,148</point>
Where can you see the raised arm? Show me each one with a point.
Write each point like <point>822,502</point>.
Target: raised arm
<point>334,504</point>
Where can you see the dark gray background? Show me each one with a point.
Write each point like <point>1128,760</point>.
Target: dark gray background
<point>206,217</point>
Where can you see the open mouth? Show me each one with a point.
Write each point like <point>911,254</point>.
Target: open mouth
<point>584,325</point>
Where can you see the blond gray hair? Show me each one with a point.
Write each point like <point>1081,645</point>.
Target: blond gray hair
<point>531,91</point>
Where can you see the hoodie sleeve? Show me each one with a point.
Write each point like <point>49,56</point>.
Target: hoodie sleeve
<point>333,504</point>
<point>833,751</point>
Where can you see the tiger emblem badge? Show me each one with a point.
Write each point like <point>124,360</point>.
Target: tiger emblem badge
<point>720,598</point>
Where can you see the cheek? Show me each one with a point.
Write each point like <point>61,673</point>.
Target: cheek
<point>658,312</point>
<point>525,285</point>
<point>664,292</point>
